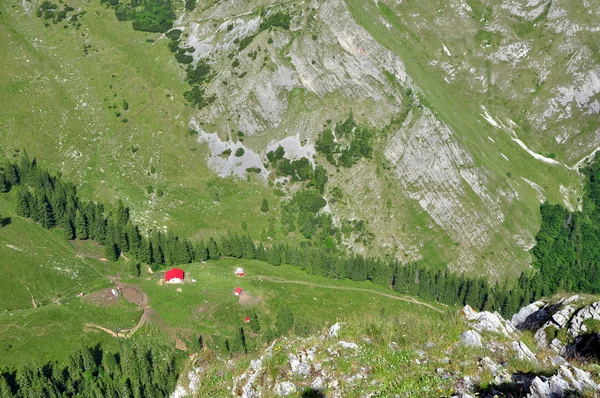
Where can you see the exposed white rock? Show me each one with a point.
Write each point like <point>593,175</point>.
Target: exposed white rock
<point>471,338</point>
<point>530,317</point>
<point>334,330</point>
<point>523,352</point>
<point>348,345</point>
<point>576,326</point>
<point>179,392</point>
<point>487,321</point>
<point>284,388</point>
<point>299,367</point>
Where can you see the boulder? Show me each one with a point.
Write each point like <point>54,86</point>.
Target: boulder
<point>348,345</point>
<point>523,352</point>
<point>471,338</point>
<point>488,321</point>
<point>576,326</point>
<point>567,379</point>
<point>299,367</point>
<point>284,388</point>
<point>540,389</point>
<point>334,330</point>
<point>530,317</point>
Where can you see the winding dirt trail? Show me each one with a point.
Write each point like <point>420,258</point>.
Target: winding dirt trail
<point>356,289</point>
<point>134,294</point>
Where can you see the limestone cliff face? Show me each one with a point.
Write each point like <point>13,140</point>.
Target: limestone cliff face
<point>482,120</point>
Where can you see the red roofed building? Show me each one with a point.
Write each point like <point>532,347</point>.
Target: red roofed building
<point>238,291</point>
<point>174,275</point>
<point>247,319</point>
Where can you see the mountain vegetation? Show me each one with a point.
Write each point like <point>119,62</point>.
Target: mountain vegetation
<point>54,203</point>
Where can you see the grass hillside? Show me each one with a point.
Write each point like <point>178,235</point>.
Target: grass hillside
<point>444,185</point>
<point>63,88</point>
<point>41,266</point>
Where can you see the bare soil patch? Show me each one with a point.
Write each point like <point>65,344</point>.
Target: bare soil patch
<point>133,294</point>
<point>248,299</point>
<point>102,297</point>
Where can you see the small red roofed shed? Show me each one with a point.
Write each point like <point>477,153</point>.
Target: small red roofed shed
<point>174,275</point>
<point>237,291</point>
<point>247,319</point>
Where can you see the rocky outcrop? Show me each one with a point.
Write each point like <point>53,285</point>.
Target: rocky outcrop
<point>565,382</point>
<point>471,338</point>
<point>568,315</point>
<point>485,321</point>
<point>530,317</point>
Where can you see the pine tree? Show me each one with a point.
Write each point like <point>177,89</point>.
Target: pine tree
<point>213,249</point>
<point>264,206</point>
<point>134,268</point>
<point>81,226</point>
<point>147,253</point>
<point>24,203</point>
<point>242,337</point>
<point>12,175</point>
<point>45,213</point>
<point>254,324</point>
<point>236,246</point>
<point>68,230</point>
<point>111,251</point>
<point>4,184</point>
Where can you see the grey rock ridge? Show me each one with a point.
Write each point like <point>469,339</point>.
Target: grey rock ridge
<point>444,149</point>
<point>290,365</point>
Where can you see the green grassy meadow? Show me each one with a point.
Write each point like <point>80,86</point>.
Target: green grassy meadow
<point>60,103</point>
<point>44,262</point>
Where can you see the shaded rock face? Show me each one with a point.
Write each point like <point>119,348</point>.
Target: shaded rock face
<point>568,381</point>
<point>569,314</point>
<point>530,317</point>
<point>563,326</point>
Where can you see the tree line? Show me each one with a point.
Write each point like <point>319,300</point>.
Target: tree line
<point>567,250</point>
<point>54,203</point>
<point>92,372</point>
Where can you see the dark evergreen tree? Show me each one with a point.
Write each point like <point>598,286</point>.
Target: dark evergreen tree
<point>264,207</point>
<point>254,324</point>
<point>24,200</point>
<point>81,226</point>
<point>4,184</point>
<point>111,251</point>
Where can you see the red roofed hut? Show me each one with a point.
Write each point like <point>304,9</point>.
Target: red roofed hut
<point>237,291</point>
<point>174,275</point>
<point>247,319</point>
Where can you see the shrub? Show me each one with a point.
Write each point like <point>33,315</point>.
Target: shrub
<point>174,34</point>
<point>239,152</point>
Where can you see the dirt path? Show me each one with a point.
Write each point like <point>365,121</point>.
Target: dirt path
<point>134,294</point>
<point>126,333</point>
<point>356,289</point>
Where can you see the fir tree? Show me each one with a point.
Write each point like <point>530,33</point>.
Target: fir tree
<point>111,251</point>
<point>134,268</point>
<point>254,324</point>
<point>81,226</point>
<point>23,203</point>
<point>68,230</point>
<point>264,207</point>
<point>12,175</point>
<point>4,184</point>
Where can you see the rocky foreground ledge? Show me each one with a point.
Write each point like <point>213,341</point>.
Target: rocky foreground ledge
<point>548,349</point>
